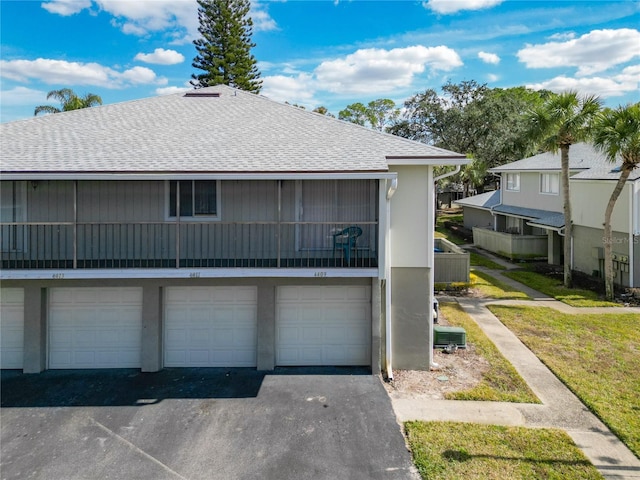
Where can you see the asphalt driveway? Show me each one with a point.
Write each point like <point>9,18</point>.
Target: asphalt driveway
<point>200,424</point>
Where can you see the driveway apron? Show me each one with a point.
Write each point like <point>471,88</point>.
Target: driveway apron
<point>200,424</point>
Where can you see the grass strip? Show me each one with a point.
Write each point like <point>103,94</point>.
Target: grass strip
<point>490,287</point>
<point>596,356</point>
<point>554,288</point>
<point>478,260</point>
<point>501,382</point>
<point>452,451</point>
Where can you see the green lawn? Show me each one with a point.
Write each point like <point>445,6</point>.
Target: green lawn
<point>451,450</point>
<point>491,287</point>
<point>554,288</point>
<point>596,356</point>
<point>481,261</point>
<point>501,382</point>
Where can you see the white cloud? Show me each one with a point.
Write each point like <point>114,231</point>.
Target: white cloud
<point>21,96</point>
<point>562,36</point>
<point>489,58</point>
<point>593,52</point>
<point>297,89</point>
<point>170,90</point>
<point>493,77</point>
<point>262,21</point>
<point>61,72</point>
<point>160,56</point>
<point>377,70</point>
<point>453,6</point>
<point>627,81</point>
<point>66,7</point>
<point>141,17</point>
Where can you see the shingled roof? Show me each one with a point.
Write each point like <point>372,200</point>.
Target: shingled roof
<point>582,156</point>
<point>211,130</point>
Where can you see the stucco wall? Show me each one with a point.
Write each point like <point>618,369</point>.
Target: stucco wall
<point>409,310</point>
<point>410,229</point>
<point>475,217</point>
<point>587,241</point>
<point>529,195</point>
<point>589,200</point>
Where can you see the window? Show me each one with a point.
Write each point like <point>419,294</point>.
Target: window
<point>550,183</point>
<point>513,182</point>
<point>198,198</point>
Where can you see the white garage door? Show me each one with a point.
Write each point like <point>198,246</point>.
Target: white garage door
<point>11,327</point>
<point>210,327</point>
<point>321,325</point>
<point>95,327</point>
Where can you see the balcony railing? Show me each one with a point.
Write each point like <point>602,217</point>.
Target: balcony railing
<point>515,247</point>
<point>68,245</point>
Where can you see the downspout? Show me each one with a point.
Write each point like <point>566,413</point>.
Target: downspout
<point>387,304</point>
<point>495,218</point>
<point>632,228</point>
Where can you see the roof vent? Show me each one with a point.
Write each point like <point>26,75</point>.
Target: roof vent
<point>196,93</point>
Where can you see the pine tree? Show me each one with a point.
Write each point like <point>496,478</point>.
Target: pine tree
<point>224,51</point>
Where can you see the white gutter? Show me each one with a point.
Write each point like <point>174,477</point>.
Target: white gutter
<point>387,304</point>
<point>448,174</point>
<point>198,175</point>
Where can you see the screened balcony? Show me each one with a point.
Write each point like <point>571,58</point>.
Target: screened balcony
<point>185,245</point>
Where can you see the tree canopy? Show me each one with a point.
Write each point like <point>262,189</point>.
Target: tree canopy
<point>68,101</point>
<point>377,114</point>
<point>224,51</point>
<point>487,125</point>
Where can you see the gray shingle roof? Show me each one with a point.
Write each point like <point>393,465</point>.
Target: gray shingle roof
<point>483,201</point>
<point>539,217</point>
<point>582,156</point>
<point>235,132</point>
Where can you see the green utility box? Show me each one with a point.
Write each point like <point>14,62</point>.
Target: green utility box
<point>445,336</point>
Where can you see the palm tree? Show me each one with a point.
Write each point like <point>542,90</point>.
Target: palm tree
<point>617,135</point>
<point>69,101</point>
<point>558,123</point>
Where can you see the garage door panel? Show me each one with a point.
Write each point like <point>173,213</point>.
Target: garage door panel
<point>11,327</point>
<point>211,327</point>
<point>323,325</point>
<point>95,327</point>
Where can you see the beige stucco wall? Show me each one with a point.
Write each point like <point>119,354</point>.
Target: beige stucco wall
<point>529,195</point>
<point>409,218</point>
<point>589,200</point>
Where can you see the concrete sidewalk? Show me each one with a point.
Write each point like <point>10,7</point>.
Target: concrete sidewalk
<point>560,407</point>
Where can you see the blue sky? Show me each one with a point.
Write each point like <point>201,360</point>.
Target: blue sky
<point>330,53</point>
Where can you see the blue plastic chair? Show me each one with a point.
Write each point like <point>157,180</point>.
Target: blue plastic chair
<point>345,240</point>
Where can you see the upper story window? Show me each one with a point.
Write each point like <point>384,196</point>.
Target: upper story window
<point>550,183</point>
<point>199,199</point>
<point>513,182</point>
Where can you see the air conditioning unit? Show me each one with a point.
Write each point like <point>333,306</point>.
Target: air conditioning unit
<point>445,336</point>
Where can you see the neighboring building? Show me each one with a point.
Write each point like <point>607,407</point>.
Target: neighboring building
<point>205,229</point>
<point>525,220</point>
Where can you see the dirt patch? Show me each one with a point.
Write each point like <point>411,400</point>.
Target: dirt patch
<point>457,371</point>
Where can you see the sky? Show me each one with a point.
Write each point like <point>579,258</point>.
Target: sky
<point>329,53</point>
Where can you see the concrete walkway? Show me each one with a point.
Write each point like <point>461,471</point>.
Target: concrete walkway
<point>560,407</point>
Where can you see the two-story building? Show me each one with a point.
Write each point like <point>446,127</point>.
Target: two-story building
<point>524,219</point>
<point>214,228</point>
